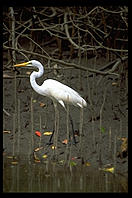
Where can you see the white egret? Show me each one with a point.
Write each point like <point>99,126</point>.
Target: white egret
<point>52,88</point>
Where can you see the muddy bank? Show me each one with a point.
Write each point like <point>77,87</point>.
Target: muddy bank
<point>104,120</point>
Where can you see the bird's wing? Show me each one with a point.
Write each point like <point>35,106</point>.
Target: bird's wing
<point>61,93</point>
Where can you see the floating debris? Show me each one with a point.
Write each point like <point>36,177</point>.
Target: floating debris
<point>44,156</point>
<point>87,164</point>
<point>38,149</point>
<point>112,169</point>
<point>53,147</point>
<point>42,104</point>
<point>47,133</point>
<point>14,162</point>
<point>38,133</point>
<point>6,131</point>
<point>114,83</point>
<point>65,141</point>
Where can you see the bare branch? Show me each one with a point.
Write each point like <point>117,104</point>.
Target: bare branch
<point>68,35</point>
<point>63,62</point>
<point>13,33</point>
<point>6,112</point>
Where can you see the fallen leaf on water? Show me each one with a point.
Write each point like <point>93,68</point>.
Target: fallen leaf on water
<point>10,157</point>
<point>14,163</point>
<point>102,129</point>
<point>36,160</point>
<point>65,141</point>
<point>42,104</point>
<point>114,83</point>
<point>72,163</point>
<point>88,164</point>
<point>47,133</point>
<point>38,149</point>
<point>108,169</point>
<point>53,147</point>
<point>38,133</point>
<point>44,156</point>
<point>6,131</point>
<point>73,158</point>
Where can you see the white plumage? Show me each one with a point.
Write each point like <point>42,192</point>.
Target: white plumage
<point>62,93</point>
<point>52,88</point>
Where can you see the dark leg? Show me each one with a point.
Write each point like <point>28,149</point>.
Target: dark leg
<point>74,139</point>
<point>49,143</point>
<point>54,128</point>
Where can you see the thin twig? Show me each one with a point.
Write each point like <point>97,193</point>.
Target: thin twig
<point>19,128</point>
<point>100,131</point>
<point>13,34</point>
<point>32,140</point>
<point>8,114</point>
<point>110,142</point>
<point>81,134</point>
<point>63,62</point>
<point>40,128</point>
<point>115,149</point>
<point>14,136</point>
<point>68,35</point>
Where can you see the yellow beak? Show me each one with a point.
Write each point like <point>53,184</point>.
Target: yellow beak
<point>22,64</point>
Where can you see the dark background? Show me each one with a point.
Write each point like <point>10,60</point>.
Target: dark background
<point>84,47</point>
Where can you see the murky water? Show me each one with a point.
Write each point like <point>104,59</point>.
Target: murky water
<point>97,148</point>
<point>27,176</point>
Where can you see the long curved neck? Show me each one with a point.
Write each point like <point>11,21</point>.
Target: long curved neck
<point>35,75</point>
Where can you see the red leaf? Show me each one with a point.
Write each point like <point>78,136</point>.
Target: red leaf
<point>38,133</point>
<point>73,158</point>
<point>65,141</point>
